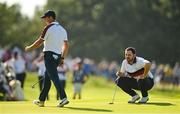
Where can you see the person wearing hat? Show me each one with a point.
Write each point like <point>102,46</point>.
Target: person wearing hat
<point>55,40</point>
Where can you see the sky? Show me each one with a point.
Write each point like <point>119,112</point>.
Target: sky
<point>27,6</point>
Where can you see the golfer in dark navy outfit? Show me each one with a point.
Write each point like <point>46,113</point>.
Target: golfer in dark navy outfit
<point>55,41</point>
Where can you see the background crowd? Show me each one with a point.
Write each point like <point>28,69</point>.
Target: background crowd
<point>15,64</point>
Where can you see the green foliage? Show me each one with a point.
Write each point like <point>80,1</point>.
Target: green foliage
<point>14,27</point>
<point>102,29</point>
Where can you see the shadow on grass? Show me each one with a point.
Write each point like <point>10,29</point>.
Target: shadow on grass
<point>157,104</point>
<point>89,109</point>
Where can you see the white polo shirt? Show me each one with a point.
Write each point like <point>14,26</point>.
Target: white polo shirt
<point>139,64</point>
<point>54,36</point>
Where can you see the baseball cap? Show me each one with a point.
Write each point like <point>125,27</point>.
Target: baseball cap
<point>49,13</point>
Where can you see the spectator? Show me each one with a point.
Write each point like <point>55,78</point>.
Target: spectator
<point>4,87</point>
<point>6,55</point>
<point>112,70</point>
<point>39,63</point>
<point>176,74</point>
<point>15,85</point>
<point>62,70</point>
<point>19,66</point>
<point>159,74</point>
<point>1,52</point>
<point>78,79</point>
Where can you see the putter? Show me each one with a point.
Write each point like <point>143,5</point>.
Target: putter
<point>33,86</point>
<point>112,102</point>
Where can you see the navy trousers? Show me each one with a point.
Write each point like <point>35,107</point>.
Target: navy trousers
<point>52,60</point>
<point>128,84</point>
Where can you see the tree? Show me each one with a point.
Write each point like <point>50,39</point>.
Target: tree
<point>102,29</point>
<point>14,26</point>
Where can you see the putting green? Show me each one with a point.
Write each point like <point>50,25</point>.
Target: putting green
<point>96,95</point>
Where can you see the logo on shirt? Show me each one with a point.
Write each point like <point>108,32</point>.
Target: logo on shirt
<point>55,57</point>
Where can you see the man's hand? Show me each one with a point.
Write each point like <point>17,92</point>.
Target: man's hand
<point>61,61</point>
<point>35,45</point>
<point>120,74</point>
<point>142,76</point>
<point>27,48</point>
<point>146,70</point>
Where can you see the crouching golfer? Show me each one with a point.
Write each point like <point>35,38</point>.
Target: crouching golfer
<point>55,49</point>
<point>135,74</point>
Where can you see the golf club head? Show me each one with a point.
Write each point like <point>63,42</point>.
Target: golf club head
<point>111,103</point>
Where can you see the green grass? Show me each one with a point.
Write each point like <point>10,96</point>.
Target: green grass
<point>96,95</point>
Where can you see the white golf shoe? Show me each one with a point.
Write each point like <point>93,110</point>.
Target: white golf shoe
<point>134,99</point>
<point>39,103</point>
<point>144,100</point>
<point>63,102</point>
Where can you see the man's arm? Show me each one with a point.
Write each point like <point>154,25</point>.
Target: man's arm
<point>121,71</point>
<point>65,49</point>
<point>35,45</point>
<point>64,52</point>
<point>120,74</point>
<point>147,67</point>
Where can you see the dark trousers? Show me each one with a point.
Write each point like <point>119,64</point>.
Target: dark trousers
<point>128,84</point>
<point>52,60</point>
<point>21,77</point>
<point>63,83</point>
<point>41,83</point>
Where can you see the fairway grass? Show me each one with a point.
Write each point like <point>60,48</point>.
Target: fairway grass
<point>96,95</point>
